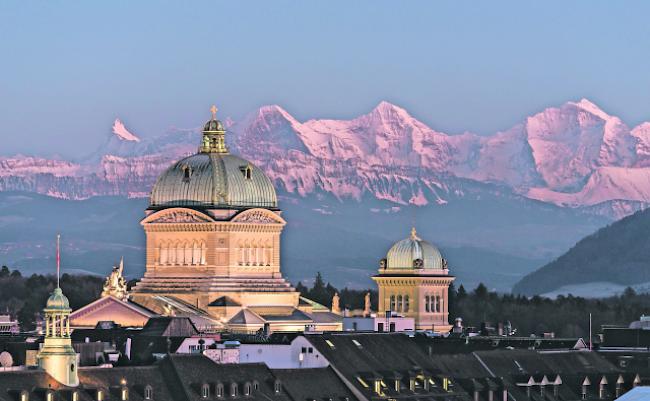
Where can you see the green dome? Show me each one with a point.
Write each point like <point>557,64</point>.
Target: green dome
<point>213,180</point>
<point>414,253</point>
<point>57,301</point>
<point>213,126</point>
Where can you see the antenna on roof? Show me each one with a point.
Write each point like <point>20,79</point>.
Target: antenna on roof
<point>58,259</point>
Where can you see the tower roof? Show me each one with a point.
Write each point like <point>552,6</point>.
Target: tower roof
<point>213,178</point>
<point>57,302</point>
<point>414,253</point>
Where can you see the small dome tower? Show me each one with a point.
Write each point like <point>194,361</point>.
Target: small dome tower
<point>57,357</point>
<point>414,281</point>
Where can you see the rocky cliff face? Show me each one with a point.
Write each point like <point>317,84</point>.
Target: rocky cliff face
<point>575,155</point>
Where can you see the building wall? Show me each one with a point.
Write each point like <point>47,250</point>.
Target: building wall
<point>417,288</point>
<point>299,354</point>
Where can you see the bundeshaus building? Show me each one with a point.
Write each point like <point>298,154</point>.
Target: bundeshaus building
<point>213,238</point>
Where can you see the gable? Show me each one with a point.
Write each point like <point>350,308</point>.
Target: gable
<point>126,314</point>
<point>177,215</point>
<point>258,216</point>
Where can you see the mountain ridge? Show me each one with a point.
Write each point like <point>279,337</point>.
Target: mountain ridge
<point>575,155</point>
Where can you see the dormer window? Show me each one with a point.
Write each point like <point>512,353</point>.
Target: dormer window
<point>247,171</point>
<point>148,393</point>
<point>205,391</point>
<point>247,389</point>
<point>187,173</point>
<point>277,387</point>
<point>220,390</point>
<point>233,390</point>
<point>124,394</point>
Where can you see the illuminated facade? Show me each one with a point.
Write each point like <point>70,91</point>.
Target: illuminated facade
<point>414,281</point>
<point>213,232</point>
<point>57,357</point>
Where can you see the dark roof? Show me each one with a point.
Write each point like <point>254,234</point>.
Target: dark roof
<point>371,356</point>
<point>193,371</point>
<point>169,326</point>
<point>314,384</point>
<point>224,301</point>
<point>36,382</point>
<point>625,337</point>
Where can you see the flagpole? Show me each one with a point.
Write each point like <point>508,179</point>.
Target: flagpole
<point>590,332</point>
<point>58,259</point>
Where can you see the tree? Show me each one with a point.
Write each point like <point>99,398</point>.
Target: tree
<point>481,292</point>
<point>4,272</point>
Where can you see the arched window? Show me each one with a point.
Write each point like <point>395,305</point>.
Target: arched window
<point>148,393</point>
<point>220,390</point>
<point>24,395</point>
<point>399,303</point>
<point>205,390</point>
<point>247,389</point>
<point>125,394</point>
<point>172,253</point>
<point>196,253</point>
<point>164,253</point>
<point>277,386</point>
<point>233,390</point>
<point>426,304</point>
<point>203,253</point>
<point>248,172</point>
<point>187,259</point>
<point>256,385</point>
<point>392,303</point>
<point>407,303</point>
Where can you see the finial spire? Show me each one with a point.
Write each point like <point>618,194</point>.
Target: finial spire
<point>414,234</point>
<point>58,260</point>
<point>213,110</point>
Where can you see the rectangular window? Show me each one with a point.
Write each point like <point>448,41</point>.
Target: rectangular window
<point>380,327</point>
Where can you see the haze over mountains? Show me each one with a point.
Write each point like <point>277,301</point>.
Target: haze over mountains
<point>525,194</point>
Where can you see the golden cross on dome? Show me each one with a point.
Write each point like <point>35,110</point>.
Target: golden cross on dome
<point>213,110</point>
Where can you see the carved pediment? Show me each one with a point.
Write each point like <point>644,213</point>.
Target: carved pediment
<point>177,215</point>
<point>258,216</point>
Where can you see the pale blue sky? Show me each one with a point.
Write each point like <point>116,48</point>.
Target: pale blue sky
<point>67,69</point>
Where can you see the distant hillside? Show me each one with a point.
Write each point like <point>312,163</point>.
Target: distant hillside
<point>618,253</point>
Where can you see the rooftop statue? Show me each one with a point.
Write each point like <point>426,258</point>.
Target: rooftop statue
<point>115,284</point>
<point>336,307</point>
<point>366,306</point>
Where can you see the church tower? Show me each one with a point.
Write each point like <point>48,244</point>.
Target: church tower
<point>414,281</point>
<point>57,357</point>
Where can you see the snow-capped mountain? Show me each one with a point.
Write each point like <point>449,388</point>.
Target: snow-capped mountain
<point>574,155</point>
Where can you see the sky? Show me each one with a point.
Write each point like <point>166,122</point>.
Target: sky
<point>69,68</point>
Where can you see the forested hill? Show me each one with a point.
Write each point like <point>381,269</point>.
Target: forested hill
<point>618,253</point>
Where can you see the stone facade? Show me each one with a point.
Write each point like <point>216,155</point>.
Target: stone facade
<point>414,281</point>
